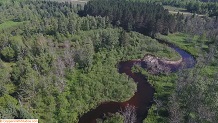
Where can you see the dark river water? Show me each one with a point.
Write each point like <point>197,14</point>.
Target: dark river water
<point>143,97</point>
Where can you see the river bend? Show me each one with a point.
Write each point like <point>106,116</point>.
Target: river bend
<point>143,97</point>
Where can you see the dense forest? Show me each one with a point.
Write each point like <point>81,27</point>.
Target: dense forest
<point>146,18</point>
<point>208,7</point>
<point>58,60</point>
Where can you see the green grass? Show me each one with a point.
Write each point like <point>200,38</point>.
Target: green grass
<point>9,24</point>
<point>187,42</point>
<point>195,45</point>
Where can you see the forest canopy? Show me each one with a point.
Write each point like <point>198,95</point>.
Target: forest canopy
<point>59,60</point>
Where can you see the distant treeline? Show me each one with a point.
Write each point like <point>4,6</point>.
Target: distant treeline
<point>209,7</point>
<point>146,18</point>
<point>209,0</point>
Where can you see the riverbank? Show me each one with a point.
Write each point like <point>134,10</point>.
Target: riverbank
<point>143,97</point>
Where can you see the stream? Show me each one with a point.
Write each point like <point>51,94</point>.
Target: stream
<point>143,97</point>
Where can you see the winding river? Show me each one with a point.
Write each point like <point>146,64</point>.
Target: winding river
<point>143,97</point>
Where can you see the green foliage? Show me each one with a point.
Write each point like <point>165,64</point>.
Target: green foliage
<point>9,109</point>
<point>142,17</point>
<point>23,114</point>
<point>184,41</point>
<point>59,74</point>
<point>9,24</point>
<point>7,53</point>
<point>193,6</point>
<point>2,90</point>
<point>55,65</point>
<point>197,88</point>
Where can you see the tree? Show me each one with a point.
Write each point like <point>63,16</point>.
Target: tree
<point>194,100</point>
<point>123,39</point>
<point>71,27</point>
<point>129,114</point>
<point>8,53</point>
